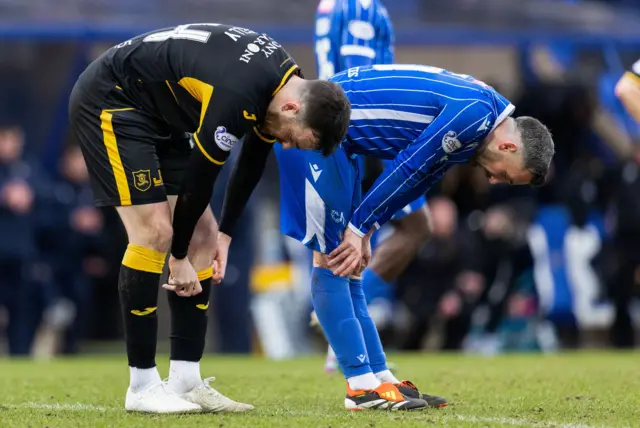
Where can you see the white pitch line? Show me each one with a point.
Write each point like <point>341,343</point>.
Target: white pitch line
<point>521,422</point>
<point>57,406</point>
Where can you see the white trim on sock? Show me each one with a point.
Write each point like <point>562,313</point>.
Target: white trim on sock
<point>387,376</point>
<point>365,381</point>
<point>141,379</point>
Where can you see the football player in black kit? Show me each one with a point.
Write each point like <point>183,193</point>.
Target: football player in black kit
<point>156,117</point>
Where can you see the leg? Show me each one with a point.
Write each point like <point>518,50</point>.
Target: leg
<point>149,231</point>
<point>622,294</point>
<point>390,259</point>
<point>189,314</point>
<point>189,318</point>
<point>332,303</point>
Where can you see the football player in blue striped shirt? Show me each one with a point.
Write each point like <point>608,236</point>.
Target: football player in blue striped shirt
<point>424,119</point>
<point>353,33</point>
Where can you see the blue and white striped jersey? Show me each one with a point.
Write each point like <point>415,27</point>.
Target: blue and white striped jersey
<point>351,33</point>
<point>424,118</point>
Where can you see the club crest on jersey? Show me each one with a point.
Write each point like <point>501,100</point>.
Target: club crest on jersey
<point>223,139</point>
<point>450,142</point>
<point>142,180</point>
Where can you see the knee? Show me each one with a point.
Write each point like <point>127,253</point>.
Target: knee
<point>155,233</point>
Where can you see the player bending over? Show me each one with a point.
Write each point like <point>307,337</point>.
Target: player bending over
<point>424,119</point>
<point>352,33</point>
<point>133,110</point>
<point>628,91</point>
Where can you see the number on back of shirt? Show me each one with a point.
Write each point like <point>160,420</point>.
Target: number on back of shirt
<point>181,32</point>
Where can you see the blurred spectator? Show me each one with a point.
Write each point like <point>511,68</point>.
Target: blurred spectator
<point>621,190</point>
<point>71,243</point>
<point>505,263</point>
<point>439,281</point>
<point>18,201</point>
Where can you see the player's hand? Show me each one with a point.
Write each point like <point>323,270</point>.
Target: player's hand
<point>366,252</point>
<point>347,258</point>
<point>221,257</point>
<point>183,278</point>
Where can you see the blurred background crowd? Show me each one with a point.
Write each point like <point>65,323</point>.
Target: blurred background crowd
<point>507,269</point>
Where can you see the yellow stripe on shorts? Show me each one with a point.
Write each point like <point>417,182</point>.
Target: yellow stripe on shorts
<point>109,137</point>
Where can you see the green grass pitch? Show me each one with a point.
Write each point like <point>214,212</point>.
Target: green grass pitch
<point>579,390</point>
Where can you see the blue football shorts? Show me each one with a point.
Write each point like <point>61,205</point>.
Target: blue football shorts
<point>317,195</point>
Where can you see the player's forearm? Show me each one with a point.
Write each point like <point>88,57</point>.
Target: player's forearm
<point>388,194</point>
<point>244,179</point>
<point>192,201</point>
<point>612,133</point>
<point>628,91</point>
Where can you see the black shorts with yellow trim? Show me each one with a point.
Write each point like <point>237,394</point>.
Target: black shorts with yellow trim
<point>132,157</point>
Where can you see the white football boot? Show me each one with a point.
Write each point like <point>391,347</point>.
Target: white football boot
<point>210,400</point>
<point>158,398</point>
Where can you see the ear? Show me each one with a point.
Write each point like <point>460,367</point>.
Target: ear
<point>291,106</point>
<point>507,146</point>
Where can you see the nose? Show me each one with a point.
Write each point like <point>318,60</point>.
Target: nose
<point>494,180</point>
<point>286,145</point>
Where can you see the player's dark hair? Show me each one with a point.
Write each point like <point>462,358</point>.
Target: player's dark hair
<point>327,112</point>
<point>538,148</point>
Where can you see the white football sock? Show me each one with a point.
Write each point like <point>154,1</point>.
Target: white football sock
<point>184,376</point>
<point>387,376</point>
<point>141,379</point>
<point>365,381</point>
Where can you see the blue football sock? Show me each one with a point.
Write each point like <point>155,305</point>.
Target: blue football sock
<point>332,302</point>
<point>375,287</point>
<point>377,358</point>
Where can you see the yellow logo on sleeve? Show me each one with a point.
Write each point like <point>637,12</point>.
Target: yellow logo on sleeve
<point>249,116</point>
